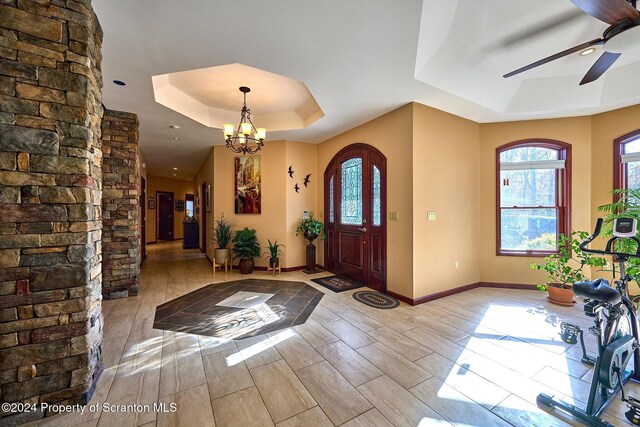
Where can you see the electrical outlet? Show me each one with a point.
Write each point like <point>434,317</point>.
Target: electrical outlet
<point>456,264</point>
<point>431,216</point>
<point>393,216</point>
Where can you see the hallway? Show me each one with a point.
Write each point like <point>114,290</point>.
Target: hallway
<point>477,358</point>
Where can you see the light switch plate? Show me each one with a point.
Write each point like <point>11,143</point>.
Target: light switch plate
<point>393,216</point>
<point>431,216</point>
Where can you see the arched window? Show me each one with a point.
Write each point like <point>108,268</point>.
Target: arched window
<point>533,195</point>
<point>626,161</point>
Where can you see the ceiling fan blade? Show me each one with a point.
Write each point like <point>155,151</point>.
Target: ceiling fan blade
<point>554,57</point>
<point>603,63</point>
<point>609,11</point>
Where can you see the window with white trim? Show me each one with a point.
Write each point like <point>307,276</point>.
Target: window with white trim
<point>532,197</point>
<point>627,156</point>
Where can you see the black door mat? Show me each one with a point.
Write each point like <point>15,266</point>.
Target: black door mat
<point>376,299</point>
<point>338,283</point>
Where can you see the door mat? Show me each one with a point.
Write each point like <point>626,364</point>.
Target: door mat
<point>376,299</point>
<point>338,283</point>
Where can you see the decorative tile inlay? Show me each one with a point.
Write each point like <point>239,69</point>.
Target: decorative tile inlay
<point>245,300</point>
<point>239,309</point>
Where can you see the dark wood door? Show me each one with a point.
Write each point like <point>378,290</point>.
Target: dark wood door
<point>355,220</point>
<point>143,219</point>
<point>165,215</point>
<point>203,210</point>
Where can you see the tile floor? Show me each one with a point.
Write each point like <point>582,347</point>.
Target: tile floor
<point>474,359</point>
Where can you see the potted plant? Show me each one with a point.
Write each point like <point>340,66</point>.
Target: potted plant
<point>274,253</point>
<point>311,228</point>
<point>246,247</point>
<point>566,268</point>
<point>222,234</point>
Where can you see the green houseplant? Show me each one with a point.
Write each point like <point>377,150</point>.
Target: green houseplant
<point>222,235</point>
<point>246,247</point>
<point>566,267</point>
<point>311,228</point>
<point>273,253</point>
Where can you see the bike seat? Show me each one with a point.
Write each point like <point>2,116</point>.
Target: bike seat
<point>598,290</point>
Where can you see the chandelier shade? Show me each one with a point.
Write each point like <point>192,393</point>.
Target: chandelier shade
<point>244,138</point>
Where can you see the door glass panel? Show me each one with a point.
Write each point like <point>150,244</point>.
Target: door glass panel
<point>376,196</point>
<point>331,209</point>
<point>351,206</point>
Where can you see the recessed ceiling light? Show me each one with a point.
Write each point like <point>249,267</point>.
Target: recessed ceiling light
<point>178,139</point>
<point>174,127</point>
<point>588,51</point>
<point>119,83</point>
<point>174,174</point>
<point>175,169</point>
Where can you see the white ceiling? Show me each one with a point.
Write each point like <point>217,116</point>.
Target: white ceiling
<point>212,97</point>
<point>359,59</point>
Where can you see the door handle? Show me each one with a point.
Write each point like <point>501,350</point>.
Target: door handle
<point>363,229</point>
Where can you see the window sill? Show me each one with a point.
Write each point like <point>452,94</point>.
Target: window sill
<point>531,254</point>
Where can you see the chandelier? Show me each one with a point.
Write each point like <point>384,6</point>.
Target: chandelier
<point>245,139</point>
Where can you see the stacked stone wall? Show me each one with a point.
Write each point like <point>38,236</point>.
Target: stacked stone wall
<point>50,203</point>
<point>120,205</point>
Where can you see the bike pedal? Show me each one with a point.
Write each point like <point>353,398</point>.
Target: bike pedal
<point>633,415</point>
<point>569,333</point>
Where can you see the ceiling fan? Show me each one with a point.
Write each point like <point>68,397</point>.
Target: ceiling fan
<point>623,34</point>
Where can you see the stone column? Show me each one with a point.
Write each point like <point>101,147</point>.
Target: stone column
<point>50,203</point>
<point>120,205</point>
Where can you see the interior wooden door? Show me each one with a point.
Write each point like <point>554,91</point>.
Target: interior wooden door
<point>355,203</point>
<point>165,215</point>
<point>203,216</point>
<point>143,219</point>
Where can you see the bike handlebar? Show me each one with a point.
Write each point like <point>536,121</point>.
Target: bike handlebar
<point>608,249</point>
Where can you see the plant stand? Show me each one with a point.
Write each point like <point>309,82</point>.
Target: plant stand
<point>311,259</point>
<point>273,269</point>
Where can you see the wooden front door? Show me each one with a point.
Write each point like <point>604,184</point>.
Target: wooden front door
<point>203,210</point>
<point>143,220</point>
<point>355,220</point>
<point>165,215</point>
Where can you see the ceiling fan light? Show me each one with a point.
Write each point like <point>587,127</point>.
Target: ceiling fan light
<point>588,51</point>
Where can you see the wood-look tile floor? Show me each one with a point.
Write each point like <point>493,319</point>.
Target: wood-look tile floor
<point>477,358</point>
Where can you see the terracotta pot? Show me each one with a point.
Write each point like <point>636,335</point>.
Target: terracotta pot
<point>561,296</point>
<point>246,265</point>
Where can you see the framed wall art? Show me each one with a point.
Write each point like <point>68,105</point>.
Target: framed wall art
<point>208,198</point>
<point>179,205</point>
<point>248,191</point>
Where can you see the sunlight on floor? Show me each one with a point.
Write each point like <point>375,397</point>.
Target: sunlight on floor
<point>258,348</point>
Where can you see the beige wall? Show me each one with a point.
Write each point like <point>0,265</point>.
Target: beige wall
<point>206,174</point>
<point>270,224</point>
<point>392,134</point>
<point>446,173</point>
<point>303,159</point>
<point>176,186</point>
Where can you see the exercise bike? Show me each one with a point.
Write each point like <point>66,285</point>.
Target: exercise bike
<point>616,332</point>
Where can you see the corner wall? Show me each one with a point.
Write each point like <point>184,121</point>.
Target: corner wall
<point>205,174</point>
<point>446,174</point>
<point>50,204</point>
